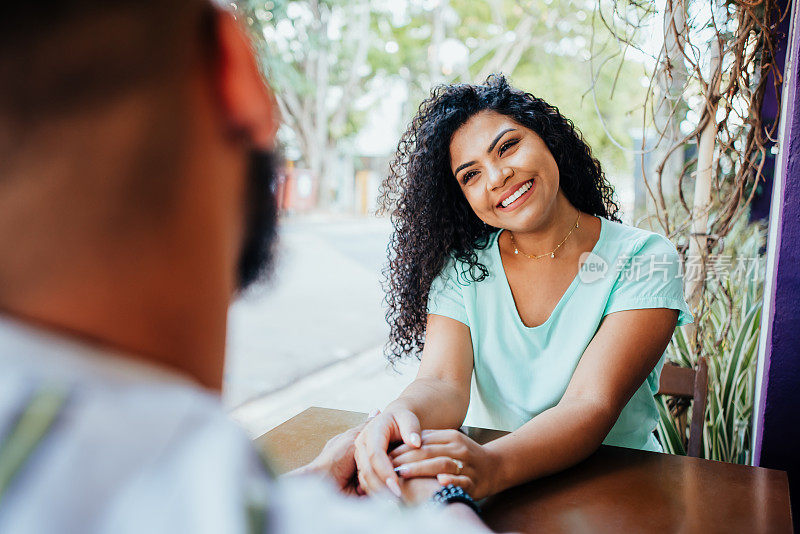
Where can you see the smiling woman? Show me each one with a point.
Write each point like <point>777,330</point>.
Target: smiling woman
<point>509,266</point>
<point>432,212</point>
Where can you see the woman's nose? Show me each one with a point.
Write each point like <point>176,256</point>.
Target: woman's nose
<point>499,177</point>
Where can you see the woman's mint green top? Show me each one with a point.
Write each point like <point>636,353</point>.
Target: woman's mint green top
<point>521,371</point>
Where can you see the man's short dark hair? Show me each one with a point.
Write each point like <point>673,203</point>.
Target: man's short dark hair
<point>64,56</point>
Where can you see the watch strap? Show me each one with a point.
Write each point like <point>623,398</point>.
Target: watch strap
<point>451,494</point>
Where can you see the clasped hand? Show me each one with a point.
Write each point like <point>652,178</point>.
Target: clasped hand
<point>424,460</point>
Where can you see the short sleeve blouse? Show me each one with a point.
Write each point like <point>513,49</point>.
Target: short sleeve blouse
<point>521,371</point>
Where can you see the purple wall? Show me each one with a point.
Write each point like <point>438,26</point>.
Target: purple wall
<point>777,441</point>
<point>759,207</point>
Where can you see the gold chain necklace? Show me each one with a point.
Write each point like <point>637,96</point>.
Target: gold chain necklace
<point>552,253</point>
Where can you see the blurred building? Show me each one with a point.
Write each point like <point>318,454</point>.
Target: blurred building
<point>297,190</point>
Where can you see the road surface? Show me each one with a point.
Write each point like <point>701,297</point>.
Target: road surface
<point>323,306</point>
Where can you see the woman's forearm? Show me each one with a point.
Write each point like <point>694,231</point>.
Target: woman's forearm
<point>436,403</point>
<point>550,442</point>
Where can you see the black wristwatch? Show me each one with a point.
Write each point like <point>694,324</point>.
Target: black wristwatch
<point>452,493</point>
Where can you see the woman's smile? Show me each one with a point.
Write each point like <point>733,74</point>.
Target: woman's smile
<point>516,195</point>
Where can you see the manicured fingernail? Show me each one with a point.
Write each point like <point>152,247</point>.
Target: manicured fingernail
<point>443,480</point>
<point>401,470</point>
<point>394,487</point>
<point>373,413</point>
<point>415,440</point>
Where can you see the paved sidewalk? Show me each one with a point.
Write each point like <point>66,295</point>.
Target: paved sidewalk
<point>322,307</point>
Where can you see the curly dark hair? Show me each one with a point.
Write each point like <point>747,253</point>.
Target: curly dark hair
<point>431,217</point>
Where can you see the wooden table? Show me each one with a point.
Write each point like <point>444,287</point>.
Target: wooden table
<point>615,490</point>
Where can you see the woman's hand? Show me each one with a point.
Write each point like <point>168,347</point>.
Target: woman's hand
<point>375,469</point>
<point>452,458</point>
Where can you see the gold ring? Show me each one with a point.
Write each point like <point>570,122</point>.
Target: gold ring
<point>459,466</point>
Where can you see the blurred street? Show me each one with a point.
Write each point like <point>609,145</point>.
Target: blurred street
<point>312,336</point>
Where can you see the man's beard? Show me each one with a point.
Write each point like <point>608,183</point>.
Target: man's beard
<point>260,231</point>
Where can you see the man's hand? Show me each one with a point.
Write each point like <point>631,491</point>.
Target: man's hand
<point>337,460</point>
<point>419,490</point>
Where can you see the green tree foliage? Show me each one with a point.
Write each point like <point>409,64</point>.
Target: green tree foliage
<point>330,61</point>
<point>543,46</point>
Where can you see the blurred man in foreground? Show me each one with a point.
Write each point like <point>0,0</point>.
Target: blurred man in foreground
<point>135,174</point>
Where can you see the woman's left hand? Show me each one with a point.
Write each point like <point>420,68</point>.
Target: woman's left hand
<point>452,458</point>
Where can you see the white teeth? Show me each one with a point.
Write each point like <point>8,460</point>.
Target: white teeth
<point>519,192</point>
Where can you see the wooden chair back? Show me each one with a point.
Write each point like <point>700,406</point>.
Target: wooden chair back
<point>686,383</point>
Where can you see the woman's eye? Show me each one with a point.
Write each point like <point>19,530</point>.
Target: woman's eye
<point>467,176</point>
<point>505,146</point>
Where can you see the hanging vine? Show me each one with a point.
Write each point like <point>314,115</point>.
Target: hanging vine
<point>704,147</point>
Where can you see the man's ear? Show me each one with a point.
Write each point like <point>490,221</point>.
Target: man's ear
<point>245,99</point>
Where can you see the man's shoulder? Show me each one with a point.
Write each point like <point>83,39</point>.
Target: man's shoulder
<point>103,453</point>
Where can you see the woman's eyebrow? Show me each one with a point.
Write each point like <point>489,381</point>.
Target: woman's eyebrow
<point>463,166</point>
<point>496,139</point>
